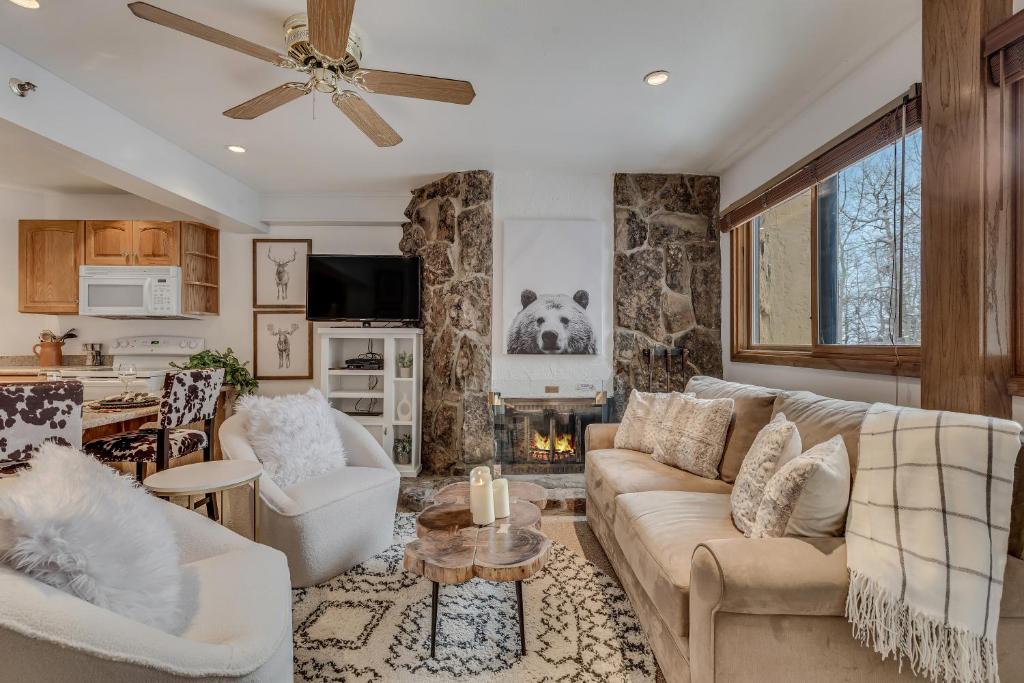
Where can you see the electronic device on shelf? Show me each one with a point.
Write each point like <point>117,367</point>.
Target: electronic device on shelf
<point>364,413</point>
<point>364,364</point>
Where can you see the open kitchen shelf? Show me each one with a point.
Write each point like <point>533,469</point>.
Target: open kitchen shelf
<point>200,269</point>
<point>376,390</point>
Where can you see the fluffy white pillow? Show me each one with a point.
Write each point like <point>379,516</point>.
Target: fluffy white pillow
<point>76,524</point>
<point>294,436</point>
<point>808,495</point>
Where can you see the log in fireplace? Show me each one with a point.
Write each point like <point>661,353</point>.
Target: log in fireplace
<point>544,435</point>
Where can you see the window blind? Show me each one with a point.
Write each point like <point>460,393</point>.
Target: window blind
<point>881,132</point>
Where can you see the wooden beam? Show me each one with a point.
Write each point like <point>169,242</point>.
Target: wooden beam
<point>966,266</point>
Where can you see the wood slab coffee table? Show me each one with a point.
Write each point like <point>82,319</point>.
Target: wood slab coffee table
<point>450,549</point>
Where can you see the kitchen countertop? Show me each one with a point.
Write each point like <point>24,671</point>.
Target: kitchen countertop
<point>17,370</point>
<point>99,418</point>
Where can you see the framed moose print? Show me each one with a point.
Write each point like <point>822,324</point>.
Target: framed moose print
<point>279,273</point>
<point>282,345</point>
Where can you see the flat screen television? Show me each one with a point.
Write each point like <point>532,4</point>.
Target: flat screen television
<point>363,288</point>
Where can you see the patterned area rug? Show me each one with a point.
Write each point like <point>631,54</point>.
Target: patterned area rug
<point>373,624</point>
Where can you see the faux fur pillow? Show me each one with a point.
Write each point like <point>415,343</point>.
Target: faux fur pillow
<point>808,496</point>
<point>642,420</point>
<point>81,527</point>
<point>692,434</point>
<point>777,440</point>
<point>294,436</point>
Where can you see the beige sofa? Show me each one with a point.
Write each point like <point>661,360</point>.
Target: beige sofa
<point>720,607</point>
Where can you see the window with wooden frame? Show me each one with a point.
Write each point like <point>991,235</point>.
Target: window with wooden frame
<point>1004,52</point>
<point>826,258</point>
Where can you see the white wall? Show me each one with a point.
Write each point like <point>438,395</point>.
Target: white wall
<point>524,195</point>
<point>881,78</point>
<point>233,327</point>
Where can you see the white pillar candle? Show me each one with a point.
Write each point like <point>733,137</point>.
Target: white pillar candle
<point>480,471</point>
<point>481,500</point>
<point>500,490</point>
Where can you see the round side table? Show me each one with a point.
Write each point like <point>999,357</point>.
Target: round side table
<point>214,477</point>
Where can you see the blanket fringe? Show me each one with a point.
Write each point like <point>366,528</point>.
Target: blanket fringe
<point>939,651</point>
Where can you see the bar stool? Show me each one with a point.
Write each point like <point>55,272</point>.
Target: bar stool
<point>189,396</point>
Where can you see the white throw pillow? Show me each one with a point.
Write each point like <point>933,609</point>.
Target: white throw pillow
<point>777,441</point>
<point>692,434</point>
<point>642,420</point>
<point>808,495</point>
<point>76,524</point>
<point>294,436</point>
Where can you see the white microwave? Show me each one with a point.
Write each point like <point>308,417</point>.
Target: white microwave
<point>130,291</point>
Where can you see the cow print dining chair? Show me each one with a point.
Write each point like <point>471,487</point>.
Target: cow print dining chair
<point>32,413</point>
<point>189,396</point>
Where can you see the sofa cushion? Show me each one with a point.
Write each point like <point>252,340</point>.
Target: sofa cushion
<point>820,418</point>
<point>614,471</point>
<point>658,531</point>
<point>752,410</point>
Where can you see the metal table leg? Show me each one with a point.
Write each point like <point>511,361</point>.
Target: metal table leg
<point>522,626</point>
<point>433,618</point>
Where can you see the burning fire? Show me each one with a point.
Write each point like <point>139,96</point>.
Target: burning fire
<point>563,443</point>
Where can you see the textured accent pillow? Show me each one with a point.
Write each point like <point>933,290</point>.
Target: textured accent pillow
<point>692,434</point>
<point>776,440</point>
<point>74,523</point>
<point>809,494</point>
<point>294,436</point>
<point>640,422</point>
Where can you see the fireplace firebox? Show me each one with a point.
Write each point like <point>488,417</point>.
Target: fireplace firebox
<point>544,435</point>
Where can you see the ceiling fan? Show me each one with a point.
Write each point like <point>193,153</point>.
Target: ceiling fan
<point>323,46</point>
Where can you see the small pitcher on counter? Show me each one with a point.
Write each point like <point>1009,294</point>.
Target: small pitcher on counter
<point>49,350</point>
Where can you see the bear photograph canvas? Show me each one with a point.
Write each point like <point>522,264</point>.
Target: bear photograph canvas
<point>553,287</point>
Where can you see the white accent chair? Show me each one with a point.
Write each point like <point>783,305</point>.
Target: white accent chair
<point>328,524</point>
<point>240,629</point>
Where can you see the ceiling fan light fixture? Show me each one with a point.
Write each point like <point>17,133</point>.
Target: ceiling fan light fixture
<point>27,4</point>
<point>659,77</point>
<point>237,149</point>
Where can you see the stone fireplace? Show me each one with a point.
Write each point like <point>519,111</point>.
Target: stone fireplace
<point>544,435</point>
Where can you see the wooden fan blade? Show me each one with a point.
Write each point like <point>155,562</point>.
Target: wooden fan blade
<point>143,10</point>
<point>366,119</point>
<point>272,99</point>
<point>411,85</point>
<point>329,23</point>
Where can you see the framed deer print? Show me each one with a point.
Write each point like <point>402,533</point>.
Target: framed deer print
<point>282,345</point>
<point>279,273</point>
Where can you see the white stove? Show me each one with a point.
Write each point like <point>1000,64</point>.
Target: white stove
<point>151,356</point>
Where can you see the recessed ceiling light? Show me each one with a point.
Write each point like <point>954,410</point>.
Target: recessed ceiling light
<point>237,149</point>
<point>27,4</point>
<point>656,78</point>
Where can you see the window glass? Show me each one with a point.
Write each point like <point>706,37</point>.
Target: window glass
<point>869,249</point>
<point>781,278</point>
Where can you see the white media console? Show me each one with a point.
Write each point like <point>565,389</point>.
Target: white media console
<point>388,405</point>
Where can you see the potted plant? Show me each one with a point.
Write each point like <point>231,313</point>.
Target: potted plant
<point>235,372</point>
<point>405,364</point>
<point>403,449</point>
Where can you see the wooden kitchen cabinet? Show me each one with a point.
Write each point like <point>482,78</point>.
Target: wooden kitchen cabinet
<point>132,243</point>
<point>49,254</point>
<point>108,243</point>
<point>155,243</point>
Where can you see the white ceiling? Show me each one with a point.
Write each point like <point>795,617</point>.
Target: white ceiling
<point>559,84</point>
<point>30,161</point>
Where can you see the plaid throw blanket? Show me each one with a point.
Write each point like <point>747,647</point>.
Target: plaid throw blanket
<point>926,538</point>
